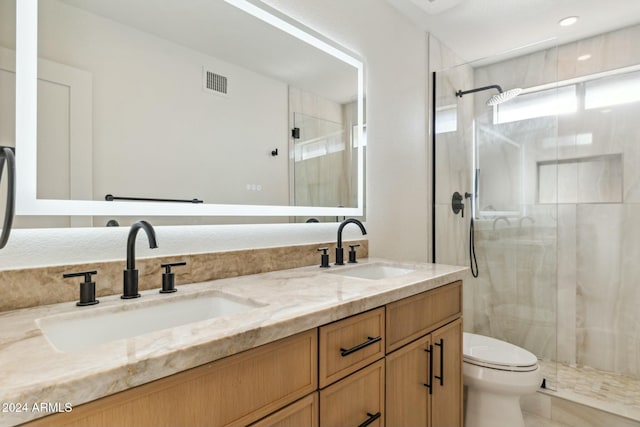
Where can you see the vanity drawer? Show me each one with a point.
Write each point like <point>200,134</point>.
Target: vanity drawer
<point>234,391</point>
<point>350,344</point>
<point>304,412</point>
<point>413,317</point>
<point>355,400</point>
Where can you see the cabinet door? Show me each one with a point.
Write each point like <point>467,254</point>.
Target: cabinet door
<point>304,412</point>
<point>408,398</point>
<point>446,400</point>
<point>357,400</point>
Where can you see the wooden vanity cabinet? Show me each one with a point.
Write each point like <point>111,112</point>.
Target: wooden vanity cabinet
<point>447,387</point>
<point>350,344</point>
<point>351,370</point>
<point>304,412</point>
<point>408,398</point>
<point>424,375</point>
<point>356,400</point>
<point>234,391</point>
<point>369,369</point>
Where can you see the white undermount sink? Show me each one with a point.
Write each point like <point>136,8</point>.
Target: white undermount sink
<point>97,325</point>
<point>374,271</point>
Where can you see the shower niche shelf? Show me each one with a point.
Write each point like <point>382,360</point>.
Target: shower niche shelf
<point>591,179</point>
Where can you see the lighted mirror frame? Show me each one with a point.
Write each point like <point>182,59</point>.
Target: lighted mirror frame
<point>26,133</point>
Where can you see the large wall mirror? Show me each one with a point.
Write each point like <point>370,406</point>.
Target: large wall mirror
<point>221,101</point>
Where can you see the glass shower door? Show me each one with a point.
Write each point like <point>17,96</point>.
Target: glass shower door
<point>495,155</point>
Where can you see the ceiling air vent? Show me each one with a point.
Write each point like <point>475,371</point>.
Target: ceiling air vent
<point>215,83</point>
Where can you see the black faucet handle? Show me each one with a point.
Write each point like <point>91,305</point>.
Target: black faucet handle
<point>352,253</point>
<point>169,277</point>
<point>167,266</point>
<point>87,275</point>
<point>324,258</point>
<point>457,205</point>
<point>87,287</point>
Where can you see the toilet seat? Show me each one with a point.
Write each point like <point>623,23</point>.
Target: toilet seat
<point>491,353</point>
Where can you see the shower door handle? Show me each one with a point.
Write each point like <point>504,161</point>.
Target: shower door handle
<point>441,376</point>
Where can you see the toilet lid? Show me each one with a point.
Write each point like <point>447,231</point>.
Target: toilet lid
<point>492,353</point>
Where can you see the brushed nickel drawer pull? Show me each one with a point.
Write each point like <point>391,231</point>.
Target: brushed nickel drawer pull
<point>369,341</point>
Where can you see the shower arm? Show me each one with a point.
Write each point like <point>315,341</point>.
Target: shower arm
<point>460,93</point>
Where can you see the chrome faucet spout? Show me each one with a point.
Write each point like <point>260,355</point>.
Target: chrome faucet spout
<point>339,251</point>
<point>130,276</point>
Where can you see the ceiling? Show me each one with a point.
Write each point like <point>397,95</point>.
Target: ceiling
<point>490,30</point>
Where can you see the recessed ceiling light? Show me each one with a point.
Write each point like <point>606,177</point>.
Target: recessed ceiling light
<point>584,57</point>
<point>570,20</point>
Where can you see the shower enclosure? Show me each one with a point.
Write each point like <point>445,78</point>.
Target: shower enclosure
<point>555,201</point>
<point>478,151</point>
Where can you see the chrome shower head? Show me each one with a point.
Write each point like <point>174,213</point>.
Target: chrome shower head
<point>501,97</point>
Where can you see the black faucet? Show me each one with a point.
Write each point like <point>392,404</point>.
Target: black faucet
<point>339,251</point>
<point>130,288</point>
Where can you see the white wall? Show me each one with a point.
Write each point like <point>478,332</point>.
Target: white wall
<point>395,54</point>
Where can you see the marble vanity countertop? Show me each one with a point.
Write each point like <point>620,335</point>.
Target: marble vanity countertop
<point>36,378</point>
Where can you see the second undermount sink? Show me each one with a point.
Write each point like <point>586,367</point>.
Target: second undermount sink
<point>90,327</point>
<point>374,271</point>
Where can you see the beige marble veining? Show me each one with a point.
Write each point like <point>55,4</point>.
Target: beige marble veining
<point>39,286</point>
<point>295,300</point>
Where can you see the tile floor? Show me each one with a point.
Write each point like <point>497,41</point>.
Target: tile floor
<point>531,420</point>
<point>607,391</point>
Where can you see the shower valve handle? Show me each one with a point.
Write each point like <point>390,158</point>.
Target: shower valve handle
<point>456,204</point>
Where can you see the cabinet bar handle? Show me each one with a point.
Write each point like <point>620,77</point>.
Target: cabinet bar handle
<point>372,418</point>
<point>441,377</point>
<point>369,341</point>
<point>430,383</point>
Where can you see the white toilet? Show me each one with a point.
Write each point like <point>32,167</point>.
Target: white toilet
<point>496,374</point>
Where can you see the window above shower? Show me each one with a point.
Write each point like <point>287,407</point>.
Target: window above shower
<point>601,90</point>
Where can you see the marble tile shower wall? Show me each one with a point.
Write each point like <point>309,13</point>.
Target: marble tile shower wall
<point>584,246</point>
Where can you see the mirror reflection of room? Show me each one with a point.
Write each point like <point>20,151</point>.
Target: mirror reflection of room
<point>138,102</point>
